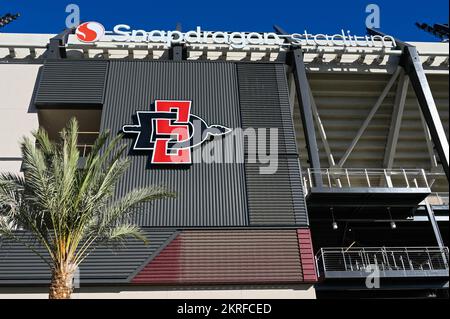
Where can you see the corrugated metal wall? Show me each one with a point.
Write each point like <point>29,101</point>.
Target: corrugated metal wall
<point>19,265</point>
<point>72,83</point>
<point>307,258</point>
<point>207,194</point>
<point>234,256</point>
<point>221,93</point>
<point>276,199</point>
<point>264,98</point>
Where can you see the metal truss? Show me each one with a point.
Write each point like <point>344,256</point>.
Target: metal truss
<point>411,63</point>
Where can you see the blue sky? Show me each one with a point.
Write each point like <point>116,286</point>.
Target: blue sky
<point>397,17</point>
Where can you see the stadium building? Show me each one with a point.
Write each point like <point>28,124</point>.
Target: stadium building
<point>360,190</point>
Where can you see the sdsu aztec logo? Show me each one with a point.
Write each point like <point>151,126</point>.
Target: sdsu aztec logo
<point>171,131</point>
<point>90,32</point>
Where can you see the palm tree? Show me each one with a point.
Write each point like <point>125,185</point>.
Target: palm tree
<point>69,210</point>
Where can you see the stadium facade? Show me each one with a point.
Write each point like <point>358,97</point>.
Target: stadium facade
<point>360,189</point>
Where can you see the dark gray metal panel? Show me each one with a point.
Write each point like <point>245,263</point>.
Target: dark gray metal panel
<point>19,265</point>
<point>72,83</point>
<point>298,194</point>
<point>276,199</point>
<point>264,99</point>
<point>207,194</point>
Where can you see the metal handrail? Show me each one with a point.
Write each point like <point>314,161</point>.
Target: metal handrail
<point>439,198</point>
<point>385,258</point>
<point>368,177</point>
<point>86,148</point>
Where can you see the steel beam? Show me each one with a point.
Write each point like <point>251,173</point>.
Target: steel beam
<point>177,52</point>
<point>292,93</point>
<point>295,59</point>
<point>57,45</point>
<point>410,61</point>
<point>369,117</point>
<point>434,224</point>
<point>429,141</point>
<point>415,71</point>
<point>396,120</point>
<point>304,102</point>
<point>322,132</point>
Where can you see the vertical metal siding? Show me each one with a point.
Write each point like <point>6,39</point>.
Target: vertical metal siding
<point>298,195</point>
<point>307,255</point>
<point>207,194</point>
<point>264,100</point>
<point>276,199</point>
<point>234,256</point>
<point>72,83</point>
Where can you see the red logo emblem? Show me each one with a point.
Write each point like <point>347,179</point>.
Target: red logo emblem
<point>90,32</point>
<point>171,131</point>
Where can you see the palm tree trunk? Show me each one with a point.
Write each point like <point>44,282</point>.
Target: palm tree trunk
<point>61,285</point>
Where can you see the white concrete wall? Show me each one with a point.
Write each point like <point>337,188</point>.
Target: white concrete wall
<point>146,292</point>
<point>18,117</point>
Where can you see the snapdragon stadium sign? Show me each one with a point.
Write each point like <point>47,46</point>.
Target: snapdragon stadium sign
<point>90,32</point>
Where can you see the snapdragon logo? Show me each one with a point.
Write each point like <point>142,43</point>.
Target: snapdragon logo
<point>90,32</point>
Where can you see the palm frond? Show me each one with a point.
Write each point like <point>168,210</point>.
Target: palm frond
<point>67,209</point>
<point>126,204</point>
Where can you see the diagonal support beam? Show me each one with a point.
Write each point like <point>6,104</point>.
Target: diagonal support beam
<point>435,226</point>
<point>429,141</point>
<point>321,130</point>
<point>396,121</point>
<point>369,117</point>
<point>419,82</point>
<point>304,101</point>
<point>410,61</point>
<point>292,94</point>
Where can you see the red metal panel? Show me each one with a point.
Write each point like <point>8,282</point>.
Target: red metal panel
<point>307,255</point>
<point>164,268</point>
<point>225,257</point>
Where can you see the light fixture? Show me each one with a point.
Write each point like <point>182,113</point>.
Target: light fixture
<point>392,223</point>
<point>334,223</point>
